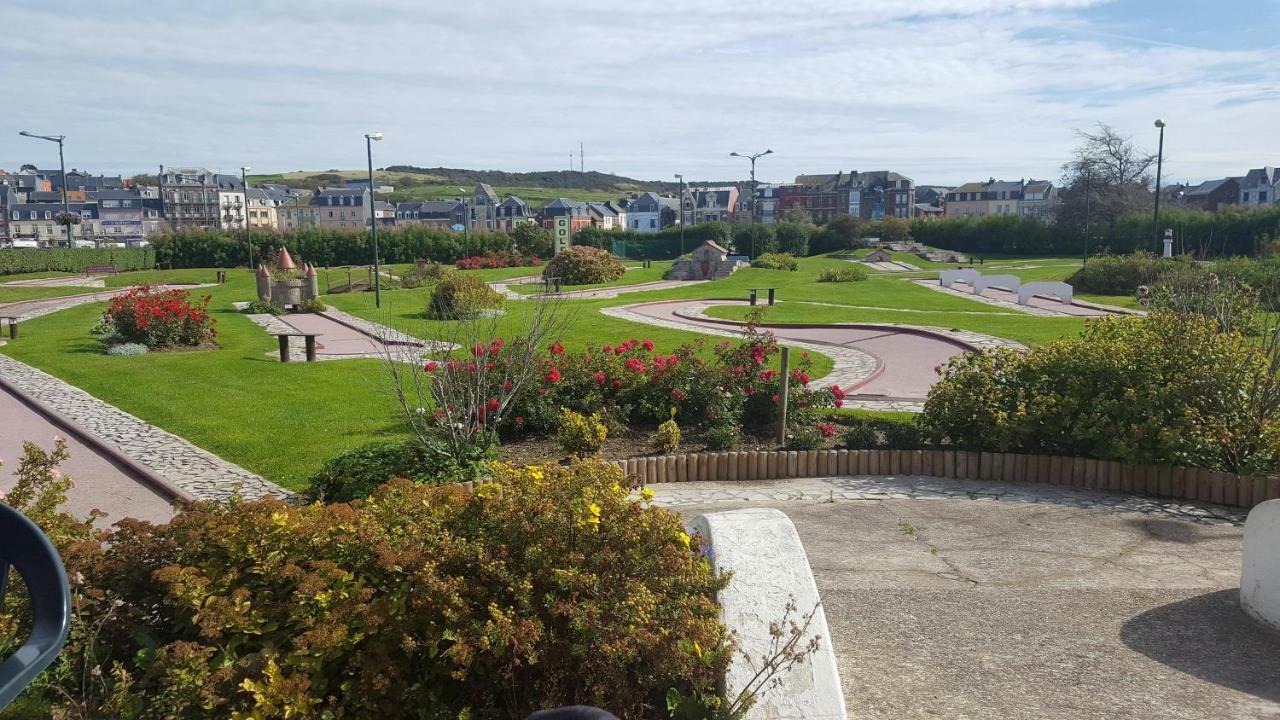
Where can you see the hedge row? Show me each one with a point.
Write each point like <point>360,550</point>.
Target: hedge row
<point>1228,232</point>
<point>29,260</point>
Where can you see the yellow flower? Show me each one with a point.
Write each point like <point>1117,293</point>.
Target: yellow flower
<point>593,511</point>
<point>684,538</point>
<point>536,473</point>
<point>488,490</point>
<point>647,494</point>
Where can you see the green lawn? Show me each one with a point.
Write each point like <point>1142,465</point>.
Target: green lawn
<point>284,421</point>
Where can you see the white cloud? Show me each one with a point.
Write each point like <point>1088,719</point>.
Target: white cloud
<point>943,90</point>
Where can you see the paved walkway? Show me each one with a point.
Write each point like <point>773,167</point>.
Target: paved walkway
<point>61,281</point>
<point>342,336</point>
<point>28,309</point>
<point>952,599</point>
<point>592,294</point>
<point>99,483</point>
<point>883,367</point>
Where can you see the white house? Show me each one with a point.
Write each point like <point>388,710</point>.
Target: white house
<point>1260,187</point>
<point>650,213</point>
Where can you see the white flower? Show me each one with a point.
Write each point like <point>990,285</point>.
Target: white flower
<point>421,411</point>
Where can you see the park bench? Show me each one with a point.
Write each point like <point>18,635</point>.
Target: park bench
<point>753,292</point>
<point>12,320</point>
<point>309,339</point>
<point>101,270</point>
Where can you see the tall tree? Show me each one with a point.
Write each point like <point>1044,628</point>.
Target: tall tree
<point>1111,172</point>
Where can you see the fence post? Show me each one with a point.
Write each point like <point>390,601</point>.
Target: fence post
<point>786,383</point>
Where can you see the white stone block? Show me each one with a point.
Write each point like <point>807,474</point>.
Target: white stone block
<point>1260,577</point>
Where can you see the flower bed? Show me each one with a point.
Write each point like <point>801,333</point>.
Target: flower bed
<point>498,260</point>
<point>160,318</point>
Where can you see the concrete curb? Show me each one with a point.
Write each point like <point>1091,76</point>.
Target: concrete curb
<point>1260,573</point>
<point>142,472</point>
<point>762,549</point>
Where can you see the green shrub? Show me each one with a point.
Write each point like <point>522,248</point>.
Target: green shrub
<point>355,474</point>
<point>1233,305</point>
<point>1166,389</point>
<point>1121,274</point>
<point>722,436</point>
<point>314,305</point>
<point>852,273</point>
<point>793,238</point>
<point>667,437</point>
<point>532,240</point>
<point>900,435</point>
<point>579,434</point>
<point>261,307</point>
<point>580,265</point>
<point>552,586</point>
<point>776,261</point>
<point>126,349</point>
<point>882,433</point>
<point>804,437</point>
<point>462,294</point>
<point>861,434</point>
<point>423,275</point>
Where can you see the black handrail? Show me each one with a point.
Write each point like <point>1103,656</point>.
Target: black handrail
<point>28,549</point>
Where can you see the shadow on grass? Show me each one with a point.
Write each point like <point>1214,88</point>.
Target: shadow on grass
<point>1210,637</point>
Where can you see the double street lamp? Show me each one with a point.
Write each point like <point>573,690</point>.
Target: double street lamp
<point>753,159</point>
<point>248,232</point>
<point>369,139</point>
<point>62,165</point>
<point>681,179</point>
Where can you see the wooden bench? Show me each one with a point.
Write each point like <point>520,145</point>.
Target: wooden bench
<point>101,270</point>
<point>13,325</point>
<point>309,339</point>
<point>753,292</point>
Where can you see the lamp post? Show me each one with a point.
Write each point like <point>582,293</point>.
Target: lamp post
<point>466,221</point>
<point>681,179</point>
<point>753,159</point>
<point>62,166</point>
<point>1088,190</point>
<point>1159,167</point>
<point>248,231</point>
<point>369,138</point>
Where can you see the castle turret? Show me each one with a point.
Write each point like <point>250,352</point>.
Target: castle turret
<point>285,261</point>
<point>264,284</point>
<point>312,281</point>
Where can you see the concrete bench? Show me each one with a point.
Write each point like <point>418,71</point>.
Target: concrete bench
<point>101,270</point>
<point>309,339</point>
<point>753,292</point>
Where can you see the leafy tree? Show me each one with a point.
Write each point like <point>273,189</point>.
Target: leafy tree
<point>845,230</point>
<point>720,233</point>
<point>895,230</point>
<point>798,215</point>
<point>793,238</point>
<point>1111,171</point>
<point>754,239</point>
<point>532,239</point>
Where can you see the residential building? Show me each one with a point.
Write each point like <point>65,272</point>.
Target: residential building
<point>1212,194</point>
<point>767,199</point>
<point>260,209</point>
<point>124,216</point>
<point>26,182</point>
<point>347,208</point>
<point>190,197</point>
<point>870,195</point>
<point>296,213</point>
<point>713,205</point>
<point>1005,197</point>
<point>512,212</point>
<point>364,183</point>
<point>620,210</point>
<point>650,213</point>
<point>440,214</point>
<point>482,211</point>
<point>38,221</point>
<point>1260,187</point>
<point>384,212</point>
<point>993,197</point>
<point>602,216</point>
<point>231,201</point>
<point>8,196</point>
<point>579,214</point>
<point>1039,200</point>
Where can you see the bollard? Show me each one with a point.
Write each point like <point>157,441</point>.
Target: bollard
<point>770,296</point>
<point>753,296</point>
<point>311,348</point>
<point>13,328</point>
<point>284,347</point>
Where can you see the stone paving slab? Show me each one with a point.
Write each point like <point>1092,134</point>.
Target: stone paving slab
<point>199,472</point>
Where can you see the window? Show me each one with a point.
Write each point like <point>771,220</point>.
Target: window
<point>1262,196</point>
<point>1246,196</point>
<point>653,223</point>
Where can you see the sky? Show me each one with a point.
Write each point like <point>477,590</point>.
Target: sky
<point>943,91</point>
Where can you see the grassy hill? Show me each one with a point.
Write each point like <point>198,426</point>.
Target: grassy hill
<point>536,188</point>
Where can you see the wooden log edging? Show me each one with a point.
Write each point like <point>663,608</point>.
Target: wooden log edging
<point>1197,484</point>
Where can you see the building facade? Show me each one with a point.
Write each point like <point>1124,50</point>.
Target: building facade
<point>579,214</point>
<point>343,208</point>
<point>512,212</point>
<point>650,213</point>
<point>1212,194</point>
<point>870,195</point>
<point>1260,187</point>
<point>190,197</point>
<point>439,214</point>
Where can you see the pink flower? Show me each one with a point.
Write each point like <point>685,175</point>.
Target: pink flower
<point>599,376</point>
<point>678,395</point>
<point>479,349</point>
<point>553,375</point>
<point>617,384</point>
<point>635,365</point>
<point>557,348</point>
<point>648,345</point>
<point>431,366</point>
<point>492,405</point>
<point>827,429</point>
<point>607,348</point>
<point>519,420</point>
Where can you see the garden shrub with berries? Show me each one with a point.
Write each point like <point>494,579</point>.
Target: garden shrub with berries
<point>549,586</point>
<point>1170,388</point>
<point>160,318</point>
<point>582,265</point>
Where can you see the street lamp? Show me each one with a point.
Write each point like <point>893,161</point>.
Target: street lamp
<point>681,179</point>
<point>1159,167</point>
<point>753,159</point>
<point>369,138</point>
<point>1088,190</point>
<point>248,232</point>
<point>466,221</point>
<point>66,211</point>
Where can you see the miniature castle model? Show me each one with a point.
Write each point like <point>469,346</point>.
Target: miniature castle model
<point>287,292</point>
<point>708,261</point>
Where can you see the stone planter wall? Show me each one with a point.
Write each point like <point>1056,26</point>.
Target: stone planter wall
<point>1183,483</point>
